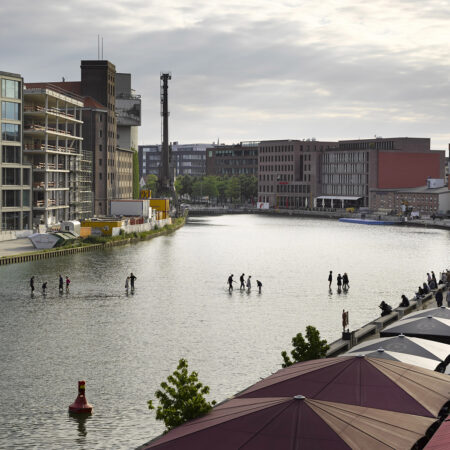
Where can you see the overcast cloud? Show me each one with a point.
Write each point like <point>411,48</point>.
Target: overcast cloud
<point>333,69</point>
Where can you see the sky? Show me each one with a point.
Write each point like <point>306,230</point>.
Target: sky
<point>252,69</point>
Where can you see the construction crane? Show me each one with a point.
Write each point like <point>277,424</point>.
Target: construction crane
<point>166,174</point>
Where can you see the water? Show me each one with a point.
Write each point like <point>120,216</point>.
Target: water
<point>124,346</point>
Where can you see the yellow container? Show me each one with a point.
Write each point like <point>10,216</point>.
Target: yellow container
<point>160,204</point>
<point>85,231</point>
<point>105,226</point>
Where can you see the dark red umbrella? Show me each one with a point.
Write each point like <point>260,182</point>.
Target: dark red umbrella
<point>441,439</point>
<point>359,380</point>
<point>295,423</point>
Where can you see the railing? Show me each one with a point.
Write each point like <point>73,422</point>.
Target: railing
<point>50,147</point>
<point>38,127</point>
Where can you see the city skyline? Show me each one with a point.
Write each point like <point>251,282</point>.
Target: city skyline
<point>253,72</point>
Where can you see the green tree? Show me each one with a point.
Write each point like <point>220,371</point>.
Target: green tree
<point>312,348</point>
<point>210,187</point>
<point>234,189</point>
<point>135,174</point>
<point>222,188</point>
<point>151,183</point>
<point>181,398</point>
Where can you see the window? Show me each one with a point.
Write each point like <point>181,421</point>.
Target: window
<point>26,198</point>
<point>26,177</point>
<point>11,220</point>
<point>10,154</point>
<point>100,147</point>
<point>11,176</point>
<point>11,198</point>
<point>10,110</point>
<point>10,88</point>
<point>100,161</point>
<point>10,132</point>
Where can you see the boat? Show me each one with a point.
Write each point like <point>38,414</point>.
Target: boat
<point>369,221</point>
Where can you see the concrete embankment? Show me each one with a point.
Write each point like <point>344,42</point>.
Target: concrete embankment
<point>372,329</point>
<point>44,254</point>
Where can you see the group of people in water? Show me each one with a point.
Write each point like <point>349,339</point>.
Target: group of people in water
<point>343,282</point>
<point>129,282</point>
<point>243,284</point>
<point>430,285</point>
<point>44,285</point>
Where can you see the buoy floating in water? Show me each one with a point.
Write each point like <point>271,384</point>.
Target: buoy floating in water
<point>80,405</point>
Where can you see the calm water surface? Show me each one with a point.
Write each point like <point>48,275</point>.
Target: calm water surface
<point>124,346</point>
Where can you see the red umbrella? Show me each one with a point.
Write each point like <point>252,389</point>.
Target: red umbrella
<point>357,380</point>
<point>295,423</point>
<point>441,439</point>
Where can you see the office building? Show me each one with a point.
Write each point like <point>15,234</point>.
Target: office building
<point>232,160</point>
<point>15,171</point>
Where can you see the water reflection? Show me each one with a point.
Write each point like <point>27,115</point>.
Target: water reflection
<point>80,420</point>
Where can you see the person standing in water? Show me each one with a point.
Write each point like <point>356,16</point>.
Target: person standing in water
<point>242,280</point>
<point>230,283</point>
<point>61,283</point>
<point>259,284</point>
<point>339,282</point>
<point>345,281</point>
<point>44,287</point>
<point>67,283</point>
<point>127,281</point>
<point>249,283</point>
<point>132,278</point>
<point>330,279</point>
<point>32,284</point>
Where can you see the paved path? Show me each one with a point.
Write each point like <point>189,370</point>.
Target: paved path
<point>15,247</point>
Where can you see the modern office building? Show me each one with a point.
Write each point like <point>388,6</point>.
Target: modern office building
<point>15,172</point>
<point>187,159</point>
<point>53,142</point>
<point>233,160</point>
<point>289,172</point>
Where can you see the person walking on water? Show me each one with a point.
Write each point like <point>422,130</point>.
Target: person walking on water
<point>67,283</point>
<point>330,279</point>
<point>132,278</point>
<point>127,281</point>
<point>32,284</point>
<point>61,283</point>
<point>249,283</point>
<point>345,281</point>
<point>242,280</point>
<point>230,283</point>
<point>259,284</point>
<point>339,281</point>
<point>44,287</point>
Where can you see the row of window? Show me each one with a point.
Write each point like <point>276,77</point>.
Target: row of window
<point>352,178</point>
<point>12,176</point>
<point>11,132</point>
<point>345,168</point>
<point>276,158</point>
<point>15,198</point>
<point>345,157</point>
<point>278,168</point>
<point>336,189</point>
<point>16,220</point>
<point>11,89</point>
<point>384,145</point>
<point>11,111</point>
<point>11,154</point>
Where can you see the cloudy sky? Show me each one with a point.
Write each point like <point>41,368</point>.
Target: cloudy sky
<point>253,69</point>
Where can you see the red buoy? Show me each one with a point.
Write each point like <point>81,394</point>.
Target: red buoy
<point>80,405</point>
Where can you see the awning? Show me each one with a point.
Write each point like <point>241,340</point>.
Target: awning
<point>337,197</point>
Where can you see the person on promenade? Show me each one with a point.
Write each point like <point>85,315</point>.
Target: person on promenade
<point>242,280</point>
<point>385,308</point>
<point>428,278</point>
<point>32,284</point>
<point>447,298</point>
<point>345,284</point>
<point>230,283</point>
<point>420,292</point>
<point>330,279</point>
<point>339,282</point>
<point>61,283</point>
<point>433,277</point>
<point>67,283</point>
<point>439,298</point>
<point>44,287</point>
<point>259,284</point>
<point>249,283</point>
<point>432,284</point>
<point>426,289</point>
<point>405,302</point>
<point>132,278</point>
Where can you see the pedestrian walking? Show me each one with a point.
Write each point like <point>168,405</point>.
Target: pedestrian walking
<point>439,298</point>
<point>339,281</point>
<point>259,284</point>
<point>249,283</point>
<point>67,283</point>
<point>132,279</point>
<point>242,280</point>
<point>32,284</point>
<point>44,287</point>
<point>127,283</point>
<point>345,281</point>
<point>330,279</point>
<point>61,283</point>
<point>230,283</point>
<point>447,298</point>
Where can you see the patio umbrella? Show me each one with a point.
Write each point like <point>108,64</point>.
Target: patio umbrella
<point>436,351</point>
<point>356,380</point>
<point>443,312</point>
<point>426,363</point>
<point>441,439</point>
<point>295,423</point>
<point>426,327</point>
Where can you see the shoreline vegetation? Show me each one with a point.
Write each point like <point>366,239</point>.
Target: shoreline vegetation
<point>93,243</point>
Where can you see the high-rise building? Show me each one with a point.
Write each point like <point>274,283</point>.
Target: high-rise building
<point>53,142</point>
<point>15,173</point>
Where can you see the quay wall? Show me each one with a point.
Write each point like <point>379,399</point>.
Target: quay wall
<point>34,256</point>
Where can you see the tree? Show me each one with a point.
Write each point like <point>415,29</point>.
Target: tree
<point>135,174</point>
<point>151,183</point>
<point>210,187</point>
<point>222,188</point>
<point>234,189</point>
<point>304,351</point>
<point>181,398</point>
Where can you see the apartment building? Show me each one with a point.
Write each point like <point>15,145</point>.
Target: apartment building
<point>15,172</point>
<point>232,160</point>
<point>53,142</point>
